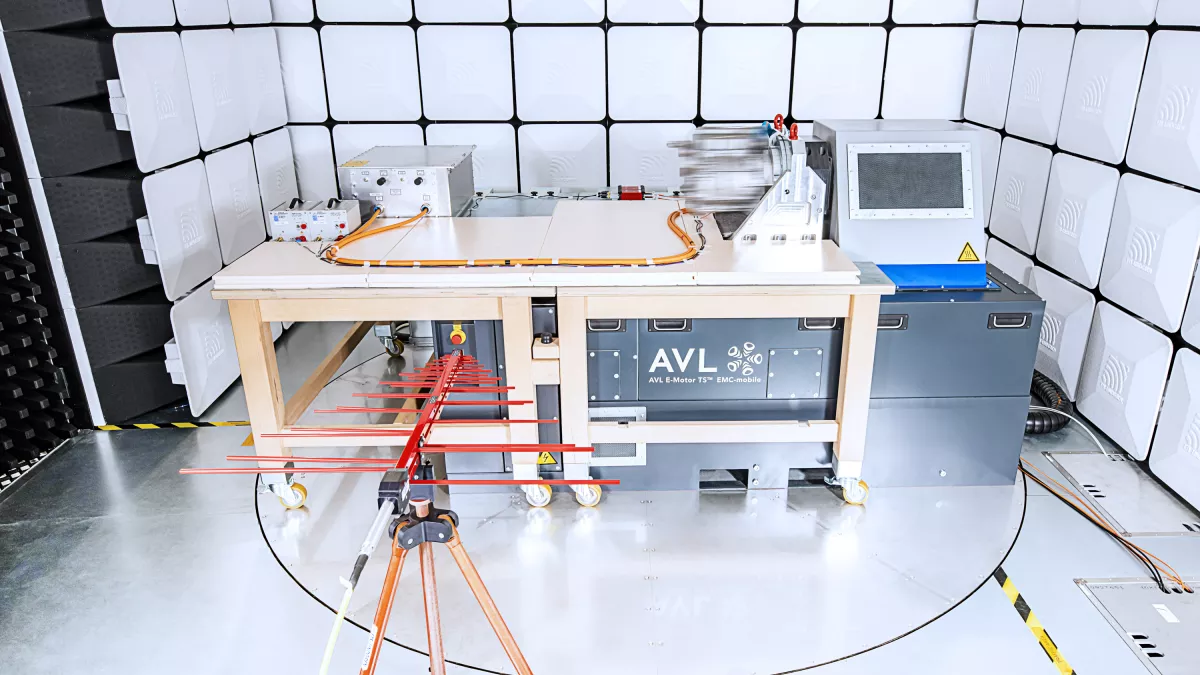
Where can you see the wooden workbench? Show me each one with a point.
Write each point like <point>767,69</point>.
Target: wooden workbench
<point>286,282</point>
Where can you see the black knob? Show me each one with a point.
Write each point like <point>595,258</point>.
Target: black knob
<point>381,181</point>
<point>418,180</point>
<point>547,338</point>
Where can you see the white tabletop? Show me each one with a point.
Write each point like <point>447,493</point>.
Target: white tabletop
<point>577,229</point>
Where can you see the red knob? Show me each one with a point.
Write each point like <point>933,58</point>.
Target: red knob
<point>456,338</point>
<point>301,238</point>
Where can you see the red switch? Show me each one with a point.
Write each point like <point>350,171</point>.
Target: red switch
<point>301,238</point>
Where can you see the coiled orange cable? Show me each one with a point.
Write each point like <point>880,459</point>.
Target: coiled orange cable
<point>332,253</point>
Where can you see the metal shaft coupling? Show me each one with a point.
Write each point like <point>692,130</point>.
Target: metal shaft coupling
<point>424,523</point>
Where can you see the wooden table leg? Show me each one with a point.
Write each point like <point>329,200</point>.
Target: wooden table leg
<point>854,388</point>
<point>260,376</point>
<point>517,324</point>
<point>573,383</point>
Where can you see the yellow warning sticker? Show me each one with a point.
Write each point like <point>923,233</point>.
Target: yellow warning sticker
<point>546,458</point>
<point>968,254</point>
<point>356,162</point>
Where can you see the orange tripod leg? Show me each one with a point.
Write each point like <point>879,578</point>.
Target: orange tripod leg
<point>433,619</point>
<point>489,607</point>
<point>384,611</point>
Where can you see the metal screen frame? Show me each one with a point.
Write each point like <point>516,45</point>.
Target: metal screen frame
<point>962,149</point>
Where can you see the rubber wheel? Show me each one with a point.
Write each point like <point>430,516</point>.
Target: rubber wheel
<point>588,495</point>
<point>855,494</point>
<point>538,496</point>
<point>393,346</point>
<point>300,490</point>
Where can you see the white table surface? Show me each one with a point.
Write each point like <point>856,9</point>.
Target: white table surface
<point>578,229</point>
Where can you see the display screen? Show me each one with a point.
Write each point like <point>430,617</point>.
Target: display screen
<point>895,180</point>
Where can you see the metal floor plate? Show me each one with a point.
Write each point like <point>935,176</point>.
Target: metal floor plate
<point>1135,503</point>
<point>1160,628</point>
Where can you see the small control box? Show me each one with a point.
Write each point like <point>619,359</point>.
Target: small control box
<point>315,220</point>
<point>403,179</point>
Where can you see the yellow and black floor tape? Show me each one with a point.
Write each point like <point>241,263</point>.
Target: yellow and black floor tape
<point>1031,620</point>
<point>170,425</point>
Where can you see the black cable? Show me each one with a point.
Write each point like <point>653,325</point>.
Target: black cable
<point>1155,574</point>
<point>1048,392</point>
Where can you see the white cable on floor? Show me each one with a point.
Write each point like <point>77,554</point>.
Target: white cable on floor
<point>1076,421</point>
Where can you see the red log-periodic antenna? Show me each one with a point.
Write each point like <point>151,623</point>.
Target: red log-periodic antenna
<point>455,373</point>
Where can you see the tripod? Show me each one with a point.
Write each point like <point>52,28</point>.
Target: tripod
<point>423,527</point>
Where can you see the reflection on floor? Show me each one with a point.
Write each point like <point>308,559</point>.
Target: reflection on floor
<point>112,562</point>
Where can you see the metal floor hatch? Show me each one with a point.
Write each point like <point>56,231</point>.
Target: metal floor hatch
<point>1160,628</point>
<point>1135,503</point>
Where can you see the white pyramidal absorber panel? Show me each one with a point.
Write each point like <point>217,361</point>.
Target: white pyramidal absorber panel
<point>1165,140</point>
<point>842,11</point>
<point>276,170</point>
<point>740,67</point>
<point>933,11</point>
<point>1065,328</point>
<point>1102,90</point>
<point>1178,13</point>
<point>129,13</point>
<point>838,72</point>
<point>250,11</point>
<point>495,157</point>
<point>154,80</point>
<point>560,11</point>
<point>460,11</point>
<point>562,156</point>
<point>215,77</point>
<point>1076,219</point>
<point>303,76</point>
<point>1010,261</point>
<point>1020,194</point>
<point>1117,12</point>
<point>991,163</point>
<point>352,140</point>
<point>1152,249</point>
<point>654,11</point>
<point>999,10</point>
<point>367,11</point>
<point>557,73</point>
<point>1056,12</point>
<point>233,187</point>
<point>992,55</point>
<point>639,154</point>
<point>204,337</point>
<point>183,226</point>
<point>1039,83</point>
<point>312,149</point>
<point>202,12</point>
<point>1191,315</point>
<point>1175,455</point>
<point>389,90</point>
<point>1124,374</point>
<point>293,11</point>
<point>665,49</point>
<point>466,72</point>
<point>743,11</point>
<point>258,51</point>
<point>926,73</point>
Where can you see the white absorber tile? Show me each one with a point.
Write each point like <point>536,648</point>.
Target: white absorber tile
<point>744,11</point>
<point>1055,12</point>
<point>365,11</point>
<point>138,13</point>
<point>1020,194</point>
<point>838,72</point>
<point>1117,12</point>
<point>652,11</point>
<point>562,156</point>
<point>640,154</point>
<point>1175,454</point>
<point>218,91</point>
<point>204,337</point>
<point>1165,140</point>
<point>1102,90</point>
<point>1066,324</point>
<point>258,52</point>
<point>352,140</point>
<point>1009,260</point>
<point>842,11</point>
<point>741,69</point>
<point>1152,249</point>
<point>276,170</point>
<point>999,10</point>
<point>184,228</point>
<point>1039,83</point>
<point>237,206</point>
<point>933,11</point>
<point>154,81</point>
<point>201,12</point>
<point>1177,13</point>
<point>557,71</point>
<point>388,91</point>
<point>312,151</point>
<point>1076,218</point>
<point>991,164</point>
<point>1124,374</point>
<point>926,72</point>
<point>672,53</point>
<point>466,72</point>
<point>303,74</point>
<point>558,11</point>
<point>495,157</point>
<point>989,80</point>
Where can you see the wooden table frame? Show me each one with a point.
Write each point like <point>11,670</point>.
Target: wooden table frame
<point>527,363</point>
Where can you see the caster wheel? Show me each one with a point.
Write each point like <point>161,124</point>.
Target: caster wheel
<point>855,493</point>
<point>393,346</point>
<point>588,495</point>
<point>538,496</point>
<point>301,494</point>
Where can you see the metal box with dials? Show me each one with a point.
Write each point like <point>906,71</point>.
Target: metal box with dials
<point>314,220</point>
<point>403,179</point>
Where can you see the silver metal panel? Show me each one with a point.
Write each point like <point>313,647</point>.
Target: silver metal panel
<point>1131,499</point>
<point>1159,627</point>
